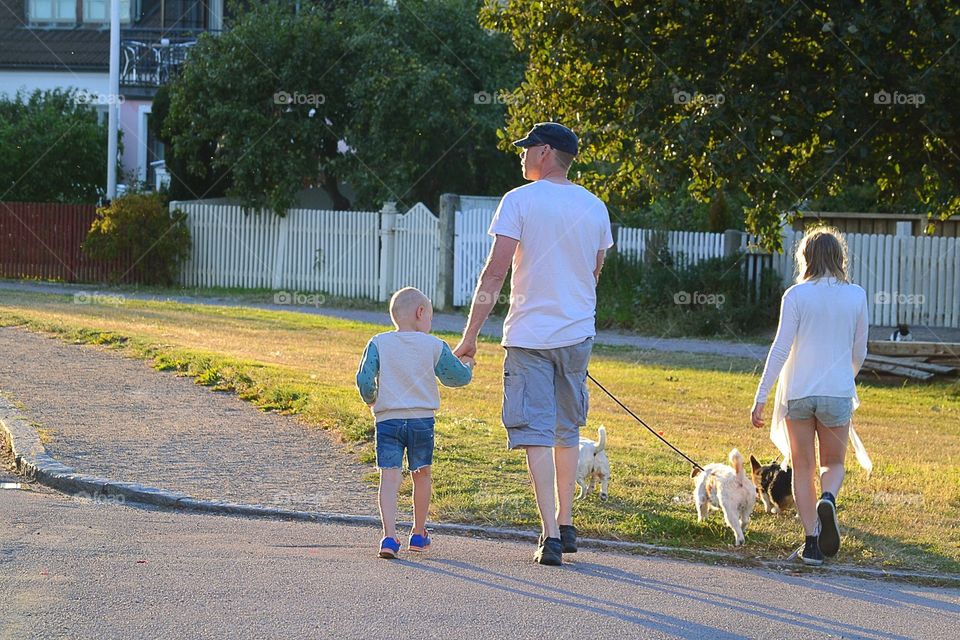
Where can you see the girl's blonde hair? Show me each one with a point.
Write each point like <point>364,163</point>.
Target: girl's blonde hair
<point>822,252</point>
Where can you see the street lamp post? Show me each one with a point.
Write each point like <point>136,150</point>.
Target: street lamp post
<point>113,101</point>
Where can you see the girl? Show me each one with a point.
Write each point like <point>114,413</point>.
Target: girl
<point>820,346</point>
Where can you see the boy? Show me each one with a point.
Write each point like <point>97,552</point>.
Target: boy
<point>397,378</point>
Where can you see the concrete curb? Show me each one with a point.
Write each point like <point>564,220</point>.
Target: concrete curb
<point>33,462</point>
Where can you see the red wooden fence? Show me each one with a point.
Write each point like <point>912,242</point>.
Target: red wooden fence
<point>42,240</point>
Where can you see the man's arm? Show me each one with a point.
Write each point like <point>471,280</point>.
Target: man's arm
<point>601,256</point>
<point>488,290</point>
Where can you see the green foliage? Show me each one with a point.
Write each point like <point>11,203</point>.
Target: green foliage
<point>661,297</point>
<point>270,103</point>
<point>780,103</point>
<point>147,242</point>
<point>185,185</point>
<point>53,148</point>
<point>679,210</point>
<point>857,197</point>
<point>425,112</point>
<point>718,215</point>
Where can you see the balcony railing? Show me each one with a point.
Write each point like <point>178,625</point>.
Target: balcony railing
<point>151,58</point>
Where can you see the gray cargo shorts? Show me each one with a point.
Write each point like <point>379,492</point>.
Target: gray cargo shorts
<point>545,396</point>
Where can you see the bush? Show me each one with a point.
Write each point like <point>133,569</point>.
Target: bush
<point>147,242</point>
<point>54,150</point>
<point>664,297</point>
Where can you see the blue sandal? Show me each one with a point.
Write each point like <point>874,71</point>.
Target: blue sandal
<point>389,548</point>
<point>419,542</point>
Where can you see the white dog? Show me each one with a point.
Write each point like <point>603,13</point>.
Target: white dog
<point>728,489</point>
<point>593,465</point>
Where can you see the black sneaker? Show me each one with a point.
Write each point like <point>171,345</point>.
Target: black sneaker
<point>829,530</point>
<point>549,552</point>
<point>811,552</point>
<point>568,536</point>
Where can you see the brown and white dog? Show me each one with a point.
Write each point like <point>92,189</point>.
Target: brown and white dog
<point>728,489</point>
<point>593,465</point>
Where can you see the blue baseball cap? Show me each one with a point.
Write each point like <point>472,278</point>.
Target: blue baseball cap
<point>552,133</point>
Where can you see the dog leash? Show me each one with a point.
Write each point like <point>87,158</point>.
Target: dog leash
<point>637,418</point>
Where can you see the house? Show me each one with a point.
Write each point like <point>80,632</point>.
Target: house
<point>49,44</point>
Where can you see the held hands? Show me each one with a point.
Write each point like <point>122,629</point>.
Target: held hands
<point>466,349</point>
<point>756,416</point>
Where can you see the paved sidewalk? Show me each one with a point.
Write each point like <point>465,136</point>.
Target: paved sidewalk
<point>78,569</point>
<point>118,418</point>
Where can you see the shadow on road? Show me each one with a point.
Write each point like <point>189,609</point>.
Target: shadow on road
<point>695,598</point>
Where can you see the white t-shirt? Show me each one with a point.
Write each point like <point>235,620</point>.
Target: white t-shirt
<point>553,294</point>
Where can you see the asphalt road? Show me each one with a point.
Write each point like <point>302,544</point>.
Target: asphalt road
<point>80,569</point>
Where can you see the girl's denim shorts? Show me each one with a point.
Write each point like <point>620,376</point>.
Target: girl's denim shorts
<point>829,410</point>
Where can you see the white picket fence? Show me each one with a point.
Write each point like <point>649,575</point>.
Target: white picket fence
<point>416,252</point>
<point>686,247</point>
<point>369,254</point>
<point>472,244</point>
<point>335,252</point>
<point>908,279</point>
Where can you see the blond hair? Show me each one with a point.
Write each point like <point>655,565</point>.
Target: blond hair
<point>404,303</point>
<point>822,252</point>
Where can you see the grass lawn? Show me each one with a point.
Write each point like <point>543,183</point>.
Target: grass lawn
<point>906,516</point>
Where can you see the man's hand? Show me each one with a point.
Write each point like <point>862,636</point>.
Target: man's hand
<point>756,416</point>
<point>466,349</point>
<point>468,361</point>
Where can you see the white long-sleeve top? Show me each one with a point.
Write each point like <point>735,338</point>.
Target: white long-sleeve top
<point>821,341</point>
<point>821,344</point>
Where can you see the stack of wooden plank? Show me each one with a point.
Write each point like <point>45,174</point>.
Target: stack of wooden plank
<point>916,360</point>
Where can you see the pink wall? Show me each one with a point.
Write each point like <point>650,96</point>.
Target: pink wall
<point>130,126</point>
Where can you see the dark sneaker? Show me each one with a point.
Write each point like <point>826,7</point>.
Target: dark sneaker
<point>549,552</point>
<point>568,537</point>
<point>829,530</point>
<point>811,552</point>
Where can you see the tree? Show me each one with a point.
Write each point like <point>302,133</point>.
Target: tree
<point>399,102</point>
<point>54,150</point>
<point>780,103</point>
<point>426,109</point>
<point>263,95</point>
<point>184,184</point>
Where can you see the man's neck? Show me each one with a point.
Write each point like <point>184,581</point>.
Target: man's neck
<point>557,176</point>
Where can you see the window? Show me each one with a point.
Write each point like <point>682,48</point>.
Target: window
<point>65,11</point>
<point>99,11</point>
<point>52,10</point>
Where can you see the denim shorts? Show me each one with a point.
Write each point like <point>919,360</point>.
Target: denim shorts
<point>829,410</point>
<point>545,395</point>
<point>413,434</point>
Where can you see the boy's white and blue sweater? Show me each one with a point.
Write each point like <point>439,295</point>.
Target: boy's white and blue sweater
<point>399,371</point>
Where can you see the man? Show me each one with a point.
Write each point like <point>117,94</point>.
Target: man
<point>554,234</point>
